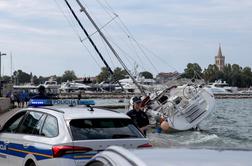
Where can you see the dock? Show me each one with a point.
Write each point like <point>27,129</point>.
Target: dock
<point>96,95</point>
<point>233,96</point>
<point>120,95</point>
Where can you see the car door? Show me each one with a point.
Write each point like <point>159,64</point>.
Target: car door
<point>3,151</point>
<point>26,136</point>
<point>6,134</point>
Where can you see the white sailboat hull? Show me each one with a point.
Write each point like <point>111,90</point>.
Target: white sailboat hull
<point>183,110</point>
<point>196,111</point>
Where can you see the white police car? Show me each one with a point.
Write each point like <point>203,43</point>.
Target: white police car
<point>63,136</point>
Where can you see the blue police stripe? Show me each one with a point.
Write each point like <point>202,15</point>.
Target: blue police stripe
<point>19,151</point>
<point>41,154</point>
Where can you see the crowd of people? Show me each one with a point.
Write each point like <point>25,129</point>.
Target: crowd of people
<point>20,98</point>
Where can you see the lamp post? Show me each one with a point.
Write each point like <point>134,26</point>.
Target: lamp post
<point>1,54</point>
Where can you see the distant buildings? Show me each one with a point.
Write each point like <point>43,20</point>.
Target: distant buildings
<point>165,77</point>
<point>220,60</point>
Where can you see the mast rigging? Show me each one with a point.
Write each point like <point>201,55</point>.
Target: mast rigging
<point>92,42</point>
<point>83,9</point>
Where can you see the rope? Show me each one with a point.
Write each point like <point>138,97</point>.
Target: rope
<point>71,24</point>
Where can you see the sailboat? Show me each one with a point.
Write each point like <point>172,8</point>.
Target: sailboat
<point>183,107</point>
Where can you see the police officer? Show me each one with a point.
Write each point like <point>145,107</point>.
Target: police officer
<point>42,93</point>
<point>138,116</point>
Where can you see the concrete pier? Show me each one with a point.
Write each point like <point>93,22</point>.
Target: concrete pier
<point>234,96</point>
<point>95,95</point>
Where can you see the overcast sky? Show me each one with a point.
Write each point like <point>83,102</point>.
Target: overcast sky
<point>175,33</point>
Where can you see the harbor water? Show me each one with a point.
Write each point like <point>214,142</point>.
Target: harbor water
<point>228,127</point>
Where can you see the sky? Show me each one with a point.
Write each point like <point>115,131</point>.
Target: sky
<point>165,35</point>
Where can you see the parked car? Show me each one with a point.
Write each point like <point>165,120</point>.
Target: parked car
<point>119,156</point>
<point>63,135</point>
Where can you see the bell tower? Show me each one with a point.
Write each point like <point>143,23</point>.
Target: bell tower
<point>220,59</point>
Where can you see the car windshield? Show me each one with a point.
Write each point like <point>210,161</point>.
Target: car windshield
<point>89,129</point>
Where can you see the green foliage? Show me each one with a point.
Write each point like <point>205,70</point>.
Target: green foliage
<point>104,75</point>
<point>212,73</point>
<point>146,75</point>
<point>119,73</point>
<point>6,78</point>
<point>22,77</point>
<point>68,75</point>
<point>191,70</point>
<point>234,74</point>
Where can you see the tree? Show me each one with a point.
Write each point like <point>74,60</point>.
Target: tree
<point>104,75</point>
<point>22,77</point>
<point>236,75</point>
<point>191,70</point>
<point>68,75</point>
<point>6,78</point>
<point>246,77</point>
<point>146,75</point>
<point>212,73</point>
<point>119,73</point>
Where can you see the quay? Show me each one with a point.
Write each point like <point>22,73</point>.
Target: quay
<point>121,95</point>
<point>97,95</point>
<point>233,96</point>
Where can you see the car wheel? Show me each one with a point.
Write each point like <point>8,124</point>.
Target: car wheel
<point>32,164</point>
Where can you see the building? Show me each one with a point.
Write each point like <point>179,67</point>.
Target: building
<point>165,77</point>
<point>220,60</point>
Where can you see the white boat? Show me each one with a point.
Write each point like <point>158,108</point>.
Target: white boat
<point>51,84</point>
<point>73,87</point>
<point>221,87</point>
<point>130,87</point>
<point>183,107</point>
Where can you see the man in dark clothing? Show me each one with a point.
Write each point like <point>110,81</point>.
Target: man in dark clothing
<point>41,94</point>
<point>138,116</point>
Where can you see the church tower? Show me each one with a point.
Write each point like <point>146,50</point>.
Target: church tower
<point>220,60</point>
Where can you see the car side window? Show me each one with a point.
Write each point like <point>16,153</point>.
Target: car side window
<point>50,128</point>
<point>12,124</point>
<point>39,125</point>
<point>30,123</point>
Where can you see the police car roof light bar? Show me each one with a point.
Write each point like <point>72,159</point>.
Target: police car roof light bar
<point>70,102</point>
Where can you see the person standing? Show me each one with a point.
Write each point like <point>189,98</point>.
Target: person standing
<point>138,116</point>
<point>41,93</point>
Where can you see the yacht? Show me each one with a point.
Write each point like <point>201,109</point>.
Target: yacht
<point>130,87</point>
<point>221,87</point>
<point>73,87</point>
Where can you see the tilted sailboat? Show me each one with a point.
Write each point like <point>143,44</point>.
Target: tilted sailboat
<point>183,107</point>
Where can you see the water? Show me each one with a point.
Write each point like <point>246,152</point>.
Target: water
<point>228,127</point>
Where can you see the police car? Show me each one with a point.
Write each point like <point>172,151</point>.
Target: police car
<point>63,135</point>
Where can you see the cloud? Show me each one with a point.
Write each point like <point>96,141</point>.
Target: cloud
<point>180,31</point>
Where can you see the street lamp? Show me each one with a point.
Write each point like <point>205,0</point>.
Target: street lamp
<point>1,54</point>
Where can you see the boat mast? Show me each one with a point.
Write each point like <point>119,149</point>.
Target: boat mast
<point>93,44</point>
<point>83,9</point>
